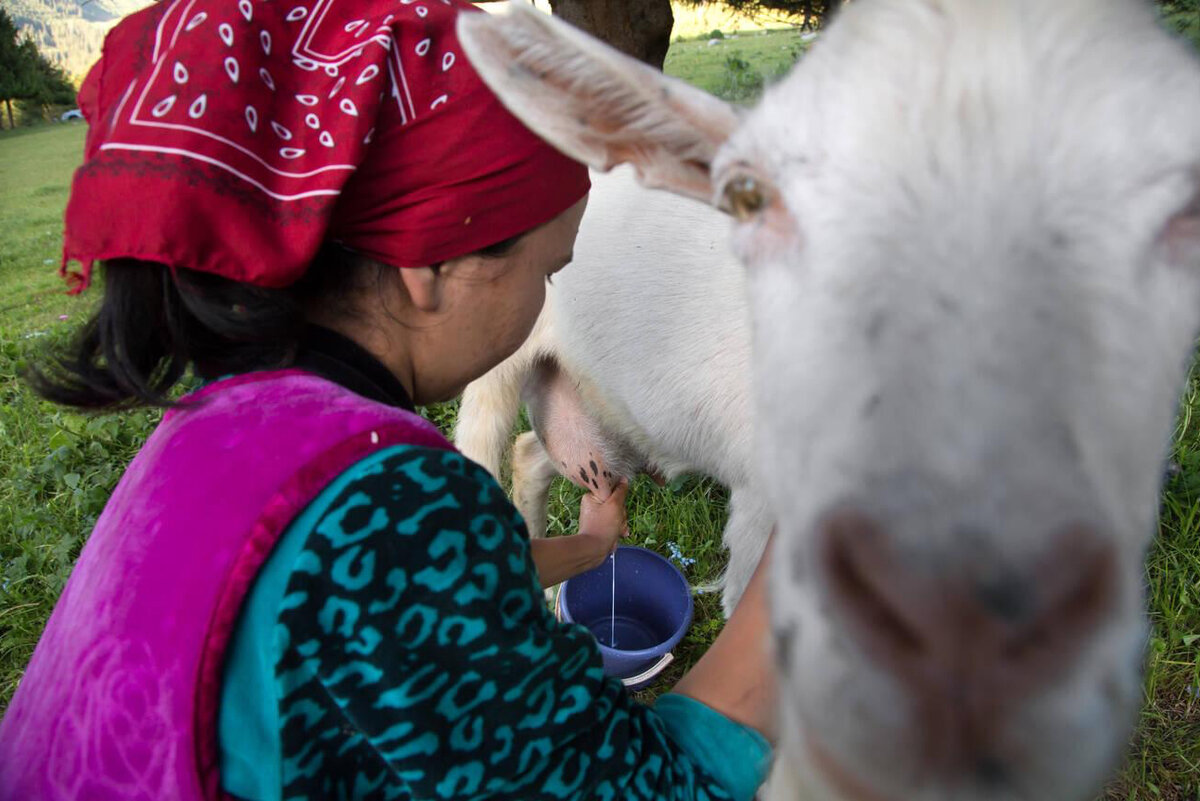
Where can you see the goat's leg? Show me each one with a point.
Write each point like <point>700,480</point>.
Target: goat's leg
<point>532,473</point>
<point>489,407</point>
<point>745,536</point>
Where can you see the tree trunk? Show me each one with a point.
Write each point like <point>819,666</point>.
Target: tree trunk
<point>641,28</point>
<point>8,103</point>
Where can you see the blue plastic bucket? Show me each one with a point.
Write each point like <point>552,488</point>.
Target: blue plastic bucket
<point>653,611</point>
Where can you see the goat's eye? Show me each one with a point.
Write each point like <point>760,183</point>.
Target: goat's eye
<point>744,198</point>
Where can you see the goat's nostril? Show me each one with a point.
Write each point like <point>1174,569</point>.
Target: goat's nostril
<point>854,556</point>
<point>939,631</point>
<point>1008,598</point>
<point>966,635</point>
<point>1078,585</point>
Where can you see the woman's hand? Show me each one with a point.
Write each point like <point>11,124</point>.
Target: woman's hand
<point>601,526</point>
<point>604,523</point>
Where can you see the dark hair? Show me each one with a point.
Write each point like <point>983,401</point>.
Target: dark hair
<point>154,323</point>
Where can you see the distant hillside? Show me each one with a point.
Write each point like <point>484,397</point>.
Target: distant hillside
<point>68,33</point>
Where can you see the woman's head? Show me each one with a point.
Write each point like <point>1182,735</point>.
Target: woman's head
<point>240,146</point>
<point>442,326</point>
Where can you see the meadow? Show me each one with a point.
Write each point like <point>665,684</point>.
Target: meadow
<point>57,467</point>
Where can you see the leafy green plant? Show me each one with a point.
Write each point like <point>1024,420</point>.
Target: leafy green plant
<point>742,81</point>
<point>57,469</point>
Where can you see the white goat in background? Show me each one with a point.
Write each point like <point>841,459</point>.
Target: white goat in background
<point>971,235</point>
<point>639,363</point>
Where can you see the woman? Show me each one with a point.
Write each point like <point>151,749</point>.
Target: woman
<point>299,589</point>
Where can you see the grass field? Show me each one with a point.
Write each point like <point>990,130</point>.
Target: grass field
<point>56,468</point>
<point>737,66</point>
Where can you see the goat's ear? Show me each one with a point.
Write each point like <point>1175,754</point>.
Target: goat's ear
<point>595,104</point>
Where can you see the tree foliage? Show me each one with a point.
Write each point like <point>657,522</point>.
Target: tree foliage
<point>26,76</point>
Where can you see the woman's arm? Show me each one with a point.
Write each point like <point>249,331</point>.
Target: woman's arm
<point>559,558</point>
<point>417,654</point>
<point>736,676</point>
<point>601,526</point>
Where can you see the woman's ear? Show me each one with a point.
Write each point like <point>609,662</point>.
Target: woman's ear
<point>424,286</point>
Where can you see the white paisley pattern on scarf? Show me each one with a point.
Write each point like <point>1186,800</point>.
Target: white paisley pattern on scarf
<point>199,107</point>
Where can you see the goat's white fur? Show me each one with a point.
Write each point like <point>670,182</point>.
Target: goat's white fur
<point>623,302</point>
<point>973,297</point>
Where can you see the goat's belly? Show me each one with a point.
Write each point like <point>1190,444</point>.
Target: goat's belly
<point>652,316</point>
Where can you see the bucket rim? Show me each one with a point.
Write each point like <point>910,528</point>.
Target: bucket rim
<point>667,644</point>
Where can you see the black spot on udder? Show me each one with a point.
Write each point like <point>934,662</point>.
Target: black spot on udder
<point>594,484</point>
<point>583,475</point>
<point>595,471</point>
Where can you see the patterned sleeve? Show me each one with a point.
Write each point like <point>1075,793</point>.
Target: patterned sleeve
<point>419,661</point>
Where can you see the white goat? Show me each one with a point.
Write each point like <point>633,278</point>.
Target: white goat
<point>971,234</point>
<point>632,367</point>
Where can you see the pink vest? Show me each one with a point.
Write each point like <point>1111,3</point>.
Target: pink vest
<point>120,700</point>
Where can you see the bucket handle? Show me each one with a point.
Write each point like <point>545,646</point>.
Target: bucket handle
<point>652,671</point>
<point>645,675</point>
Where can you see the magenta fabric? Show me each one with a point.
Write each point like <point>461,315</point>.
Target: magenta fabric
<point>120,699</point>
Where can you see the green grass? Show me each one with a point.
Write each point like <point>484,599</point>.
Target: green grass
<point>1184,16</point>
<point>57,471</point>
<point>728,68</point>
<point>35,172</point>
<point>1165,757</point>
<point>57,468</point>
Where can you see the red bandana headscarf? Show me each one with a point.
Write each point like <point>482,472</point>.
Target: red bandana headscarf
<point>235,136</point>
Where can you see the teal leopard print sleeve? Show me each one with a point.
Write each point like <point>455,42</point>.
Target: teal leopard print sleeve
<point>416,659</point>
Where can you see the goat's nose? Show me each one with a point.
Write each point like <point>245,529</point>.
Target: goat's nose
<point>966,636</point>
